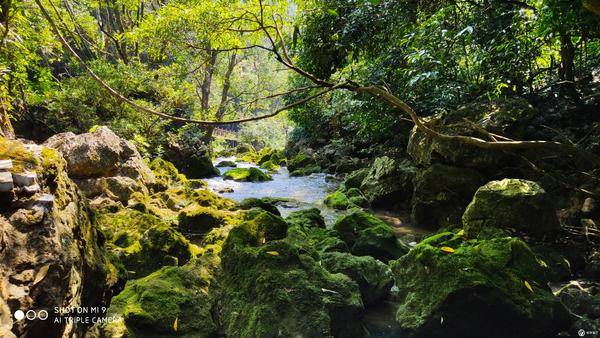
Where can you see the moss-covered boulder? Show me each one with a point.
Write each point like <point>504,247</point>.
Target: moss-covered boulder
<point>373,277</point>
<point>367,235</point>
<point>356,197</point>
<point>354,179</point>
<point>142,241</point>
<point>166,175</point>
<point>244,148</point>
<point>196,219</point>
<point>226,164</point>
<point>307,218</point>
<point>511,204</point>
<point>274,288</point>
<point>305,171</point>
<point>266,203</point>
<point>301,160</point>
<point>389,182</point>
<point>191,161</point>
<point>173,301</point>
<point>246,175</point>
<point>441,194</point>
<point>270,166</point>
<point>337,200</point>
<point>494,288</point>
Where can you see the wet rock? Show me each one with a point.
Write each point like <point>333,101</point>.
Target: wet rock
<point>267,204</point>
<point>367,235</point>
<point>196,219</point>
<point>441,195</point>
<point>389,182</point>
<point>225,190</point>
<point>246,175</point>
<point>373,277</point>
<point>511,204</point>
<point>337,200</point>
<point>306,218</point>
<point>270,166</point>
<point>355,178</point>
<point>452,287</point>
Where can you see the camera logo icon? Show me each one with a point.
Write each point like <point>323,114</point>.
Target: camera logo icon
<point>31,315</point>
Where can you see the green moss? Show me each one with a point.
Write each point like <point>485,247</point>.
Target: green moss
<point>142,240</point>
<point>266,204</point>
<point>305,171</point>
<point>307,218</point>
<point>511,204</point>
<point>301,160</point>
<point>14,150</point>
<point>270,166</point>
<point>373,277</point>
<point>250,157</point>
<point>354,179</point>
<point>337,200</point>
<point>226,164</point>
<point>150,306</point>
<point>197,219</point>
<point>273,288</point>
<point>246,174</point>
<point>166,175</point>
<point>478,286</point>
<point>389,182</point>
<point>368,235</point>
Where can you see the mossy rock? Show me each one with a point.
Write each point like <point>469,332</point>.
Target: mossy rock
<point>456,288</point>
<point>226,164</point>
<point>389,182</point>
<point>511,204</point>
<point>307,218</point>
<point>246,175</point>
<point>373,277</point>
<point>264,155</point>
<point>266,204</point>
<point>249,157</point>
<point>196,219</point>
<point>356,197</point>
<point>166,175</point>
<point>141,240</point>
<point>305,171</point>
<point>354,179</point>
<point>14,150</point>
<point>270,166</point>
<point>441,195</point>
<point>301,160</point>
<point>150,306</point>
<point>367,235</point>
<point>337,200</point>
<point>244,148</point>
<point>273,288</point>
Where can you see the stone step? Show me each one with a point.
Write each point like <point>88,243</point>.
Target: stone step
<point>24,179</point>
<point>6,182</point>
<point>6,165</point>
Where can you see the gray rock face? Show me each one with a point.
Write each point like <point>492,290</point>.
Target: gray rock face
<point>101,163</point>
<point>389,182</point>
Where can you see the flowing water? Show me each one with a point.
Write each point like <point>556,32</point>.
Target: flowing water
<point>302,192</point>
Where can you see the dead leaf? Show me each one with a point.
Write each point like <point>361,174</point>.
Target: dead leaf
<point>41,274</point>
<point>447,249</point>
<point>175,324</point>
<point>273,253</point>
<point>528,286</point>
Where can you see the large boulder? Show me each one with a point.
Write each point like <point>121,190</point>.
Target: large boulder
<point>493,288</point>
<point>389,182</point>
<point>51,253</point>
<point>503,116</point>
<point>172,301</point>
<point>273,287</point>
<point>101,163</point>
<point>367,235</point>
<point>441,194</point>
<point>511,204</point>
<point>192,161</point>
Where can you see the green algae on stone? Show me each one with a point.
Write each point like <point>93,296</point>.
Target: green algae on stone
<point>307,217</point>
<point>14,150</point>
<point>511,204</point>
<point>354,179</point>
<point>305,171</point>
<point>266,203</point>
<point>198,219</point>
<point>368,235</point>
<point>270,166</point>
<point>301,160</point>
<point>451,287</point>
<point>150,306</point>
<point>246,175</point>
<point>226,164</point>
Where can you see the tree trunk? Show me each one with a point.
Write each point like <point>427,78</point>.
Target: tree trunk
<point>567,67</point>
